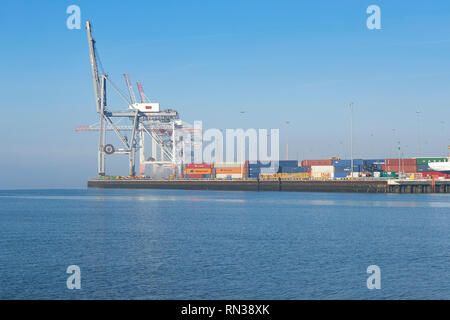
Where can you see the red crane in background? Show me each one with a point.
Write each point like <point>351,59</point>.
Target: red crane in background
<point>141,93</point>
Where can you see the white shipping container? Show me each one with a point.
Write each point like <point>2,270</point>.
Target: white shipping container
<point>322,175</point>
<point>327,169</point>
<point>268,171</point>
<point>376,174</point>
<point>229,176</point>
<point>322,171</point>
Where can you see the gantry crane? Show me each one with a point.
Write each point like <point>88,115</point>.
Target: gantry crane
<point>163,126</point>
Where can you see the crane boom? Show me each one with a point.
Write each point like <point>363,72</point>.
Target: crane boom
<point>94,68</point>
<point>141,92</point>
<point>130,88</point>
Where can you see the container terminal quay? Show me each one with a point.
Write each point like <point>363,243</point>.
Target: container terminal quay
<point>314,178</point>
<point>142,124</point>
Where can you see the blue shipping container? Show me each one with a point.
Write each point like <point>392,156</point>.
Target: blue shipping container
<point>258,165</point>
<point>375,162</point>
<point>281,163</point>
<point>346,169</point>
<point>290,170</point>
<point>348,163</point>
<point>423,168</point>
<point>288,163</point>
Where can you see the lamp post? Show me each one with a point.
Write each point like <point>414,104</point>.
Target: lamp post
<point>243,149</point>
<point>399,160</point>
<point>287,144</point>
<point>351,138</point>
<point>393,143</point>
<point>443,132</point>
<point>418,132</point>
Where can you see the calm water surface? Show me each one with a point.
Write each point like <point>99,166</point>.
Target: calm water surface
<point>176,244</point>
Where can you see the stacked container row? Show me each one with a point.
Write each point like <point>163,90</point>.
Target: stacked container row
<point>401,165</point>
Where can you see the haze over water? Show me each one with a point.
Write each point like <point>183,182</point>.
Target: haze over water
<point>177,244</point>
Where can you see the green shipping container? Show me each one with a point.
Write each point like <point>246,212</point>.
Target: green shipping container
<point>426,160</point>
<point>388,174</point>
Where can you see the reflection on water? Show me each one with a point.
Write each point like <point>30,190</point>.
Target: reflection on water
<point>378,200</point>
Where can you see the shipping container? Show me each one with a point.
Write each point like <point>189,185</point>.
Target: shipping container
<point>434,174</point>
<point>426,160</point>
<point>269,170</point>
<point>198,165</point>
<point>374,165</point>
<point>229,170</point>
<point>291,169</point>
<point>229,176</point>
<point>375,161</point>
<point>347,163</point>
<point>288,163</point>
<point>322,175</point>
<point>387,174</point>
<point>423,168</point>
<point>347,169</point>
<point>307,163</point>
<point>254,172</point>
<point>198,171</point>
<point>259,164</point>
<point>322,171</point>
<point>328,169</point>
<point>230,164</point>
<point>267,175</point>
<point>298,175</point>
<point>403,168</point>
<point>403,162</point>
<point>196,176</point>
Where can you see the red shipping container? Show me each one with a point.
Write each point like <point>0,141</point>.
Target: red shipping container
<point>198,165</point>
<point>403,168</point>
<point>307,163</point>
<point>196,176</point>
<point>403,162</point>
<point>434,174</point>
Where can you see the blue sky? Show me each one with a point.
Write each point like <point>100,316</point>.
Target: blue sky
<point>301,61</point>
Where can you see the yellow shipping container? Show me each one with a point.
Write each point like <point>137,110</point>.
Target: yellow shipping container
<point>262,176</point>
<point>294,175</point>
